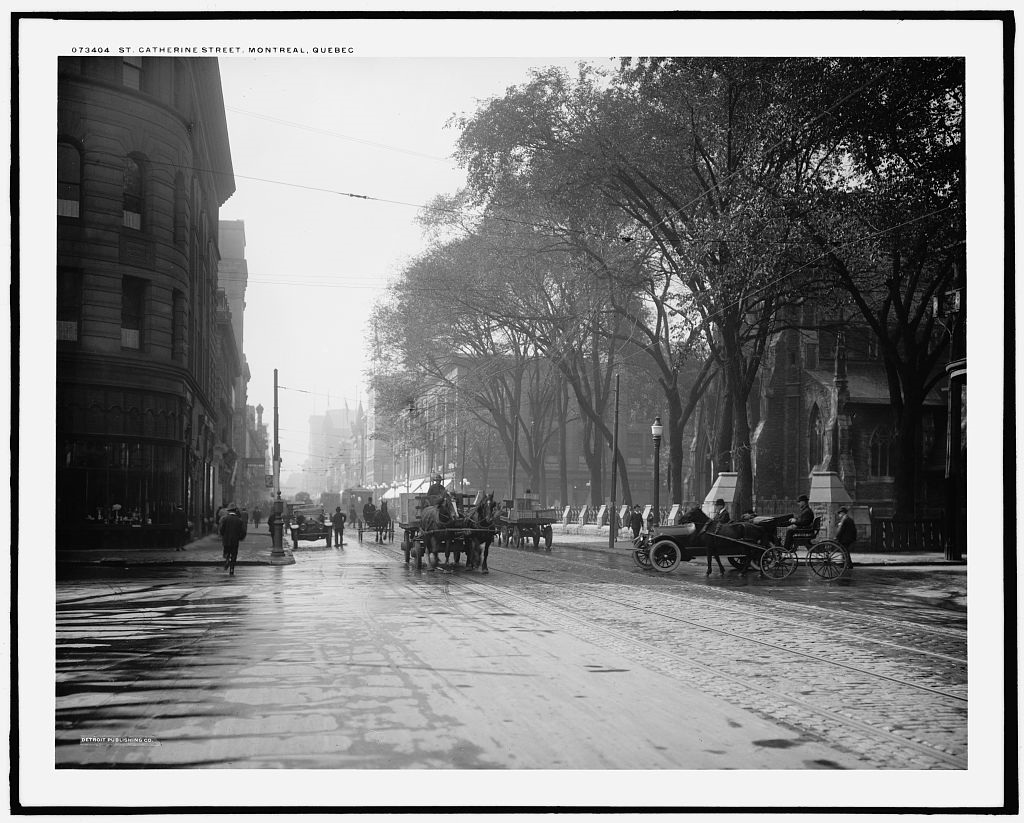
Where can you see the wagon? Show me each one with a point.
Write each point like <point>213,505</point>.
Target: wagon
<point>667,546</point>
<point>525,519</point>
<point>454,540</point>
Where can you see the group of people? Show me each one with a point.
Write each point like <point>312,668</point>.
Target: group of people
<point>803,518</point>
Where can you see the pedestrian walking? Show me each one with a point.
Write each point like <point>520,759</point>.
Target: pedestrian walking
<point>257,516</point>
<point>179,528</point>
<point>636,521</point>
<point>847,532</point>
<point>338,527</point>
<point>220,515</point>
<point>232,531</point>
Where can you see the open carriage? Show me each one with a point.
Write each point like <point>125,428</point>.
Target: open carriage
<point>746,544</point>
<point>524,518</point>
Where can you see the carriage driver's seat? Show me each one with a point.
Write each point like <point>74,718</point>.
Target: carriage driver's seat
<point>804,537</point>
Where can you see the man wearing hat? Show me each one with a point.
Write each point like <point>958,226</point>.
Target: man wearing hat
<point>847,532</point>
<point>232,530</point>
<point>721,512</point>
<point>436,490</point>
<point>803,519</point>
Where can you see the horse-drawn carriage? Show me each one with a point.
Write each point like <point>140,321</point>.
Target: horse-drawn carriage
<point>454,525</point>
<point>523,519</point>
<point>746,544</point>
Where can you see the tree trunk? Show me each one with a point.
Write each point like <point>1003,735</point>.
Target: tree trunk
<point>741,460</point>
<point>907,456</point>
<point>563,460</point>
<point>676,424</point>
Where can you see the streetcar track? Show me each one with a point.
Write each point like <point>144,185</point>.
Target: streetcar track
<point>949,632</point>
<point>874,731</point>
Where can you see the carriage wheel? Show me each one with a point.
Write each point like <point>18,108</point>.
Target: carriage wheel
<point>642,557</point>
<point>778,563</point>
<point>405,550</point>
<point>418,551</point>
<point>517,537</point>
<point>828,560</point>
<point>665,556</point>
<point>536,538</point>
<point>548,532</point>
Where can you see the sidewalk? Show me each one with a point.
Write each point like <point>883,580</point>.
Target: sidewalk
<point>594,536</point>
<point>255,550</point>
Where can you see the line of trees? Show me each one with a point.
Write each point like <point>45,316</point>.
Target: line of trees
<point>658,219</point>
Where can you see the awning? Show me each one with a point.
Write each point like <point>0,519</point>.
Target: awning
<point>392,493</point>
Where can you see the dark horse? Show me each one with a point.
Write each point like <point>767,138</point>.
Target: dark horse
<point>727,538</point>
<point>382,522</point>
<point>440,526</point>
<point>443,530</point>
<point>481,522</point>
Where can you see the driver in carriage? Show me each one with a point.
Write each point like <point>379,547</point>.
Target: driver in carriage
<point>802,519</point>
<point>721,512</point>
<point>437,495</point>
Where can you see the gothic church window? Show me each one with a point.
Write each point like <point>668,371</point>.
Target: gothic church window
<point>882,452</point>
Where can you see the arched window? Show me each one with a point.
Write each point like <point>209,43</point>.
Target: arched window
<point>69,180</point>
<point>134,193</point>
<point>816,434</point>
<point>882,459</point>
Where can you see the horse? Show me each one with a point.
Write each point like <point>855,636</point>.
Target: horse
<point>382,523</point>
<point>714,537</point>
<point>481,522</point>
<point>436,523</point>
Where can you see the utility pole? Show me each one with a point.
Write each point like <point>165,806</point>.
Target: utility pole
<point>277,508</point>
<point>612,520</point>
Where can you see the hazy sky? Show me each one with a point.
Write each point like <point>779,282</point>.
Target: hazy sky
<point>302,130</point>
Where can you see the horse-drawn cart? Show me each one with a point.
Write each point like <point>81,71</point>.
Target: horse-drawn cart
<point>746,544</point>
<point>525,519</point>
<point>426,534</point>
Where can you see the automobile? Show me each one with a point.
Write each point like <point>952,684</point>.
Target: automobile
<point>309,522</point>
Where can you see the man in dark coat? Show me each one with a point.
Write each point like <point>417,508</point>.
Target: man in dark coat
<point>636,521</point>
<point>369,513</point>
<point>179,528</point>
<point>232,531</point>
<point>847,532</point>
<point>338,527</point>
<point>721,512</point>
<point>802,519</point>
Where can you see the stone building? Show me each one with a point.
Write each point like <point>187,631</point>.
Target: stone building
<point>146,357</point>
<point>821,403</point>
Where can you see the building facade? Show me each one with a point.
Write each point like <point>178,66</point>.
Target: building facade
<point>144,166</point>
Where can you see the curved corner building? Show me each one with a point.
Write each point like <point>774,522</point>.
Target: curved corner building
<point>144,366</point>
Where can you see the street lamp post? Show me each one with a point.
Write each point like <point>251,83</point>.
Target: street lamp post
<point>656,430</point>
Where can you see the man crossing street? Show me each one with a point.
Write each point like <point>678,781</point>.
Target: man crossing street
<point>338,527</point>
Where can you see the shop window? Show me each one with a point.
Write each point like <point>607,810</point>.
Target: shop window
<point>133,304</point>
<point>69,305</point>
<point>134,191</point>
<point>69,180</point>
